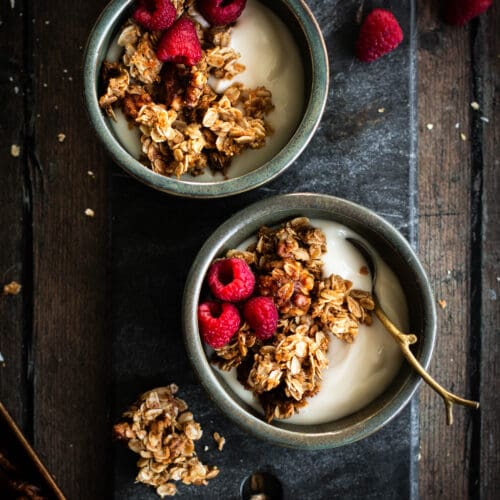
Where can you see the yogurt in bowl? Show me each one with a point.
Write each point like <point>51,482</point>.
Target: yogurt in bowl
<point>272,60</point>
<point>360,370</point>
<point>286,67</point>
<point>347,407</point>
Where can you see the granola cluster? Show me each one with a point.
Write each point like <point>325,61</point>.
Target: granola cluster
<point>287,369</point>
<point>162,431</point>
<point>185,125</point>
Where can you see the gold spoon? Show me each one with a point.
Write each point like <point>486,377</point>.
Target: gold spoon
<point>406,339</point>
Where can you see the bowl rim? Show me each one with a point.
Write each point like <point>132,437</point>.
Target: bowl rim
<point>318,55</point>
<point>207,376</point>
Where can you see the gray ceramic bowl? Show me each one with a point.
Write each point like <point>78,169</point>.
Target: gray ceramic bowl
<point>306,33</point>
<point>394,249</point>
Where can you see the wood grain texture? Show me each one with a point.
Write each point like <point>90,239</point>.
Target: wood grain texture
<point>12,251</point>
<point>70,251</point>
<point>490,244</point>
<point>444,243</point>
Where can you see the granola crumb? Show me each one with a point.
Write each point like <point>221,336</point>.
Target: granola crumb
<point>61,136</point>
<point>91,174</point>
<point>381,110</point>
<point>220,440</point>
<point>166,490</point>
<point>205,448</point>
<point>89,212</point>
<point>442,303</point>
<point>15,150</point>
<point>463,137</point>
<point>364,271</point>
<point>474,105</point>
<point>12,288</point>
<point>430,126</point>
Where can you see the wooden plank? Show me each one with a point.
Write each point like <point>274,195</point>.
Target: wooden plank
<point>444,243</point>
<point>12,214</point>
<point>490,349</point>
<point>70,251</point>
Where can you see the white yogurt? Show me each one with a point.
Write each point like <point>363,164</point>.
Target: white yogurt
<point>272,59</point>
<point>357,372</point>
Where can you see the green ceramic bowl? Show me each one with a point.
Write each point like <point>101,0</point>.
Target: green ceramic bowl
<point>394,249</point>
<point>306,32</point>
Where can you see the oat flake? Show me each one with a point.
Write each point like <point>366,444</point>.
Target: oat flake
<point>15,150</point>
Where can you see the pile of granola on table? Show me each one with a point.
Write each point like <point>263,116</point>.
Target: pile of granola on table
<point>285,369</point>
<point>160,429</point>
<point>185,125</point>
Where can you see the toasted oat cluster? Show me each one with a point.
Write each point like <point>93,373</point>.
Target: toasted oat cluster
<point>162,431</point>
<point>287,369</point>
<point>185,125</point>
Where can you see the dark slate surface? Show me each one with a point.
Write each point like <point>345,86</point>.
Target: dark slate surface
<point>357,153</point>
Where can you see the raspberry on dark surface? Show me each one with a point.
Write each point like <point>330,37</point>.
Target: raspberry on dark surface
<point>380,33</point>
<point>262,316</point>
<point>220,12</point>
<point>180,44</point>
<point>155,15</point>
<point>231,279</point>
<point>218,322</point>
<point>460,12</point>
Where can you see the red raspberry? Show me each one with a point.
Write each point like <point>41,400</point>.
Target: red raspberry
<point>231,279</point>
<point>459,12</point>
<point>218,322</point>
<point>219,12</point>
<point>380,33</point>
<point>180,44</point>
<point>262,316</point>
<point>155,15</point>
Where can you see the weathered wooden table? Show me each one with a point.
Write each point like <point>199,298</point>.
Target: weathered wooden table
<point>98,319</point>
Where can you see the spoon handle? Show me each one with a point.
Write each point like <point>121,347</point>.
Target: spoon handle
<point>405,340</point>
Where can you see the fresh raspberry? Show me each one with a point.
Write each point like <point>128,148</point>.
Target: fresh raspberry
<point>231,279</point>
<point>380,33</point>
<point>218,322</point>
<point>180,44</point>
<point>459,12</point>
<point>155,15</point>
<point>219,12</point>
<point>262,316</point>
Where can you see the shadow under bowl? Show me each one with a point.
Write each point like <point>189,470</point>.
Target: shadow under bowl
<point>393,248</point>
<point>307,35</point>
